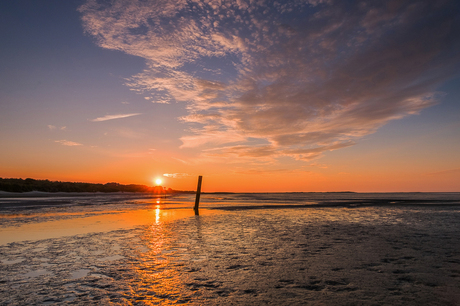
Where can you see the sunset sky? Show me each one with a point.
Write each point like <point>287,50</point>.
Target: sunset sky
<point>256,96</point>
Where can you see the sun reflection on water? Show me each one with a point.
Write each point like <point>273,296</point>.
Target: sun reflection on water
<point>157,215</point>
<point>163,258</point>
<point>157,265</point>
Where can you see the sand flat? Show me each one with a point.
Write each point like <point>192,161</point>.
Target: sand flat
<point>331,256</point>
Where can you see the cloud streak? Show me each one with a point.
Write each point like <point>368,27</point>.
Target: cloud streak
<point>112,117</point>
<point>176,175</point>
<point>266,80</point>
<point>68,143</point>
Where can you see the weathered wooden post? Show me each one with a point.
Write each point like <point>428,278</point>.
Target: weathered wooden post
<point>198,193</point>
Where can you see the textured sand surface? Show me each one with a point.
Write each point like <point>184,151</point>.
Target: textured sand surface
<point>321,256</point>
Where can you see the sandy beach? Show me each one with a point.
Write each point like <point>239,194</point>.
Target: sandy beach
<point>282,256</point>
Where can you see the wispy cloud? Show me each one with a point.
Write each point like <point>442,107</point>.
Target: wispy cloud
<point>269,171</point>
<point>53,127</point>
<point>269,79</point>
<point>446,172</point>
<point>112,117</point>
<point>68,143</point>
<point>176,175</point>
<point>180,160</point>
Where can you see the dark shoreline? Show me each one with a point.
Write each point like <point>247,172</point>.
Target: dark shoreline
<point>336,205</point>
<point>41,194</point>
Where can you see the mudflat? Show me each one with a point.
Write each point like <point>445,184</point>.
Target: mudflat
<point>282,256</point>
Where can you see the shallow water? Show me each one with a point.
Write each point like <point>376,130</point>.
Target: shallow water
<point>149,253</point>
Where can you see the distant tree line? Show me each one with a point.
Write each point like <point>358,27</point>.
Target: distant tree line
<point>28,184</point>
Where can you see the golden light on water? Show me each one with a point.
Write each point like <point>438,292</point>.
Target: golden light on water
<point>157,214</point>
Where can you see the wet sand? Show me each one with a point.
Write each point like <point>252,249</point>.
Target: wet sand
<point>320,256</point>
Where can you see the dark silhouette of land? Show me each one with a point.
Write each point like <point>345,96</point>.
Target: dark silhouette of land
<point>29,184</point>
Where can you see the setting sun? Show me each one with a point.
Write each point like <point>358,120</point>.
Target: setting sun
<point>158,181</point>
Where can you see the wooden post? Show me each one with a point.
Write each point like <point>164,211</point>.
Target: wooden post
<point>198,193</point>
